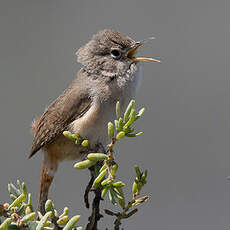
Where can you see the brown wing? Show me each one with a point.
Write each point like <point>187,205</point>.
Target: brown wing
<point>69,106</point>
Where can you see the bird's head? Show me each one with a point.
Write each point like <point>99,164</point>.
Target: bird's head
<point>110,53</point>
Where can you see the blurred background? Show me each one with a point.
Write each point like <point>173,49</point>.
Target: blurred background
<point>186,141</point>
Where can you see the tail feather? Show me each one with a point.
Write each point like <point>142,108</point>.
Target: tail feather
<point>45,182</point>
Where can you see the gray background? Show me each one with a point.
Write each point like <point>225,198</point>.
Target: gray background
<point>186,145</point>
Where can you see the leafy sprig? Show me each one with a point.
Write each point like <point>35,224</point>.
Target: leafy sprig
<point>105,176</point>
<point>19,214</point>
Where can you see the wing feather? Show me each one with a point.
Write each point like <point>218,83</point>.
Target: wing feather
<point>69,106</point>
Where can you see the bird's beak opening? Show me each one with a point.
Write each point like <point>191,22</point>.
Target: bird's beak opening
<point>140,59</point>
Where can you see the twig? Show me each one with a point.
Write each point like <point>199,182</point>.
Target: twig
<point>111,213</point>
<point>130,213</point>
<point>124,215</point>
<point>87,190</point>
<point>89,186</point>
<point>110,148</point>
<point>95,215</point>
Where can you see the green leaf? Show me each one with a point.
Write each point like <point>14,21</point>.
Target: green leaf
<point>71,222</point>
<point>140,114</point>
<point>139,186</point>
<point>116,122</point>
<point>68,134</point>
<point>21,209</point>
<point>29,199</point>
<point>43,221</point>
<point>97,156</point>
<point>85,143</point>
<point>62,220</point>
<point>128,110</point>
<point>118,184</point>
<point>24,189</point>
<point>84,164</point>
<point>134,134</point>
<point>5,223</point>
<point>134,188</point>
<point>120,124</point>
<point>106,181</point>
<point>28,217</point>
<point>40,215</point>
<point>118,110</point>
<point>118,194</point>
<point>110,130</point>
<point>49,206</point>
<point>17,201</point>
<point>104,191</point>
<point>99,178</point>
<point>13,190</point>
<point>65,212</point>
<point>112,196</point>
<point>114,169</point>
<point>131,118</point>
<point>128,130</point>
<point>13,197</point>
<point>120,135</point>
<point>138,172</point>
<point>121,198</point>
<point>76,136</point>
<point>103,167</point>
<point>144,176</point>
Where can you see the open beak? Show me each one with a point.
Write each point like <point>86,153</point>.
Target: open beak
<point>140,59</point>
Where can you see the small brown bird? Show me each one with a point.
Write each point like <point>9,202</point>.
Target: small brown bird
<point>110,73</point>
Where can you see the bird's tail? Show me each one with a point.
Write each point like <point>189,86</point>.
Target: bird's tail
<point>45,182</point>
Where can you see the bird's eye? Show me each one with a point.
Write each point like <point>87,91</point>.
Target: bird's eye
<point>116,53</point>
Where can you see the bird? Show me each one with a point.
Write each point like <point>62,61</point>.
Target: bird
<point>110,72</point>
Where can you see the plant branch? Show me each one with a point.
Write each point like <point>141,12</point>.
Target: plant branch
<point>88,189</point>
<point>95,215</point>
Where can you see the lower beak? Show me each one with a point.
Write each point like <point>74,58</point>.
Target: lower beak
<point>139,59</point>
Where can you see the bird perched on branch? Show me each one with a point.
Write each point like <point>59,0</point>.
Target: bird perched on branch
<point>110,72</point>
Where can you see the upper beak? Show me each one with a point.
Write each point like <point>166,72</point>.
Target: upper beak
<point>138,59</point>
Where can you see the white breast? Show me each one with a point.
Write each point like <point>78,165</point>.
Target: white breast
<point>93,125</point>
